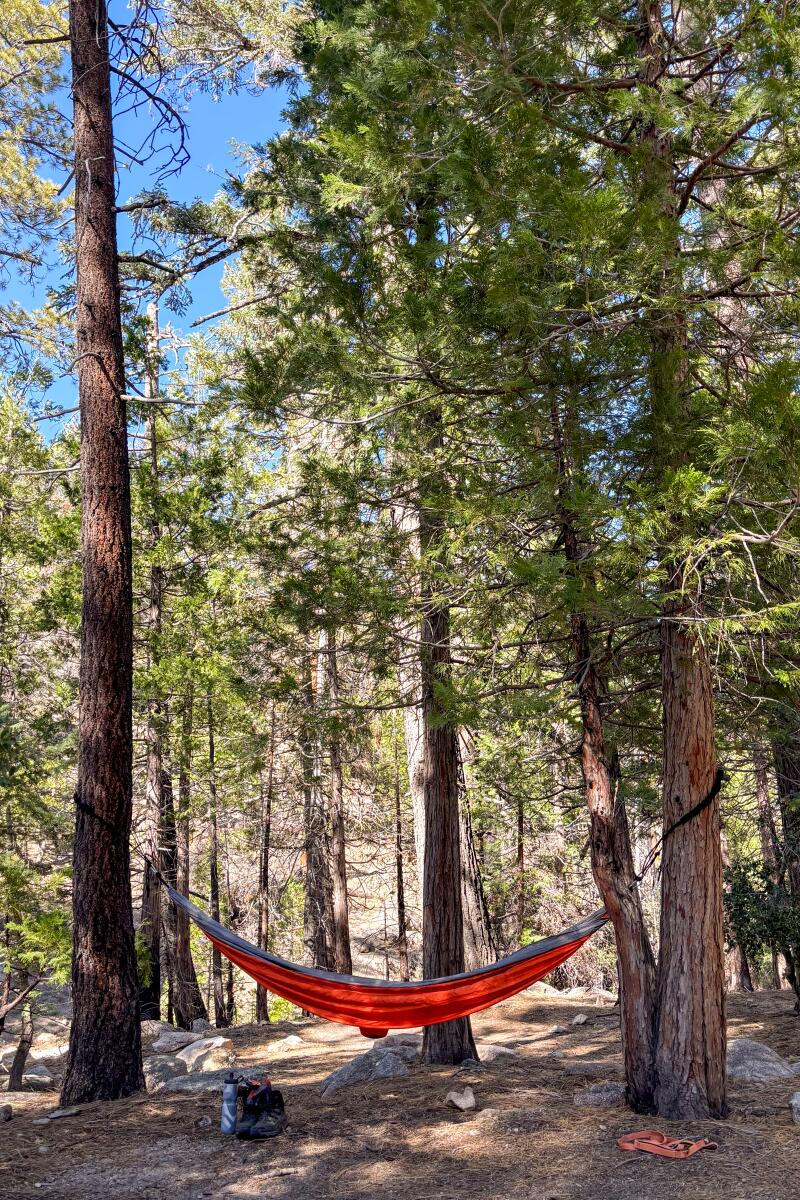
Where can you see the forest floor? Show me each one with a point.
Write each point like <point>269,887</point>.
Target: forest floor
<point>401,1140</point>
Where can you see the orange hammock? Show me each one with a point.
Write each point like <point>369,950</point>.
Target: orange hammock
<point>377,1005</point>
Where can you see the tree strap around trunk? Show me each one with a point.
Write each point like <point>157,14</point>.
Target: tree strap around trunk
<point>654,1142</point>
<point>719,779</point>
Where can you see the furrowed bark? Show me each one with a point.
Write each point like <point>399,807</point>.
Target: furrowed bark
<point>690,1029</point>
<point>105,1054</point>
<point>442,913</point>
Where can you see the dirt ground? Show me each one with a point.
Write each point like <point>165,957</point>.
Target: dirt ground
<point>401,1140</point>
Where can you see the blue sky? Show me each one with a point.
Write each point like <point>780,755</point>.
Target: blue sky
<point>213,125</point>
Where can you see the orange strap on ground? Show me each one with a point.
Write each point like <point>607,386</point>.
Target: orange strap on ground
<point>654,1142</point>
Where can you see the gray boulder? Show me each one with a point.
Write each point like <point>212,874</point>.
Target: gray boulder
<point>756,1063</point>
<point>207,1054</point>
<point>176,1039</point>
<point>161,1068</point>
<point>290,1042</point>
<point>154,1029</point>
<point>202,1081</point>
<point>489,1052</point>
<point>37,1078</point>
<point>600,1095</point>
<point>794,1105</point>
<point>393,1040</point>
<point>6,1112</point>
<point>463,1100</point>
<point>201,1025</point>
<point>591,1070</point>
<point>364,1068</point>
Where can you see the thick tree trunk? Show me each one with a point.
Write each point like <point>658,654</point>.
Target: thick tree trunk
<point>690,1050</point>
<point>262,995</point>
<point>187,997</point>
<point>220,1017</point>
<point>609,837</point>
<point>341,917</point>
<point>690,1038</point>
<point>105,1055</point>
<point>442,912</point>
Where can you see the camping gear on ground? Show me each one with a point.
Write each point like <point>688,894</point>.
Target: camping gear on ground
<point>263,1111</point>
<point>375,1006</point>
<point>230,1092</point>
<point>654,1142</point>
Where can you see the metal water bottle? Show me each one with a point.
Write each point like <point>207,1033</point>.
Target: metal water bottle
<point>230,1092</point>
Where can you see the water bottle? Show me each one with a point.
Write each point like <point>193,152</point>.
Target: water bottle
<point>230,1092</point>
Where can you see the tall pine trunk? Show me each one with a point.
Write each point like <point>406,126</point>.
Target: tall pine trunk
<point>318,904</point>
<point>609,836</point>
<point>220,1011</point>
<point>341,917</point>
<point>262,995</point>
<point>768,838</point>
<point>105,1051</point>
<point>442,911</point>
<point>402,929</point>
<point>150,918</point>
<point>187,995</point>
<point>690,1029</point>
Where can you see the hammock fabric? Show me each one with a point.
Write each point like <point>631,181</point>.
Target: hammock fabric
<point>376,1005</point>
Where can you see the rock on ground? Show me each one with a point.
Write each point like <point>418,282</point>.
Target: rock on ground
<point>400,1039</point>
<point>580,1019</point>
<point>756,1063</point>
<point>6,1112</point>
<point>463,1100</point>
<point>385,1063</point>
<point>200,1025</point>
<point>600,1095</point>
<point>37,1078</point>
<point>489,1052</point>
<point>543,989</point>
<point>285,1043</point>
<point>794,1105</point>
<point>207,1054</point>
<point>161,1068</point>
<point>176,1039</point>
<point>205,1081</point>
<point>154,1029</point>
<point>592,1069</point>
